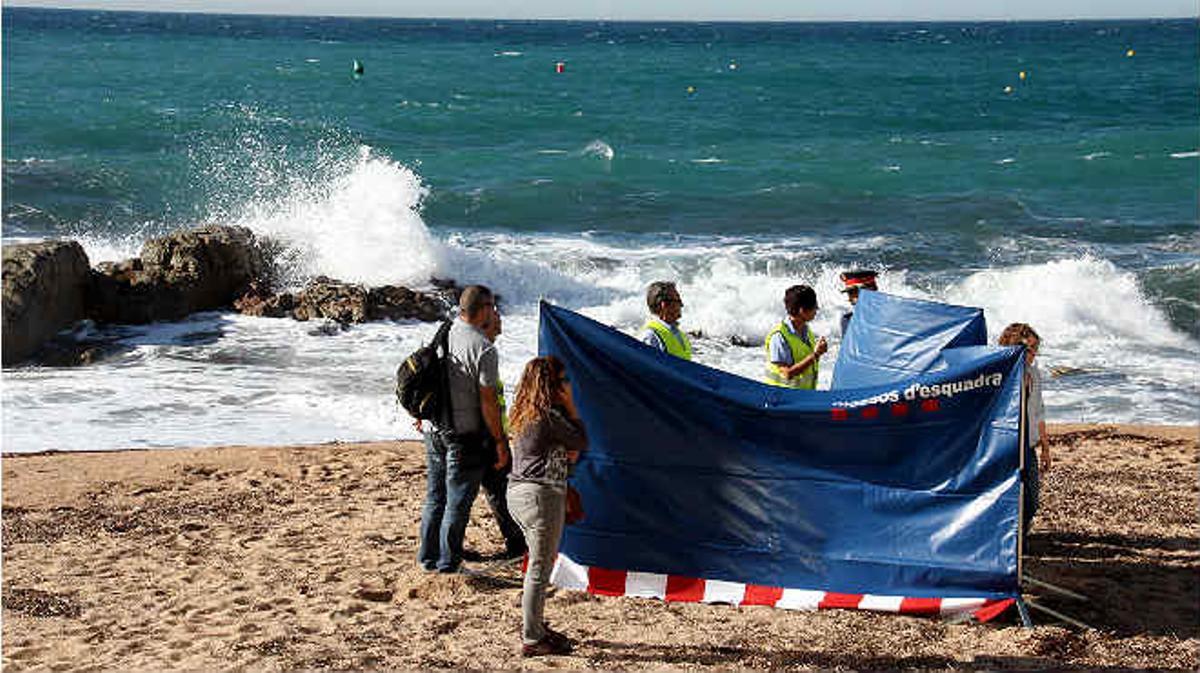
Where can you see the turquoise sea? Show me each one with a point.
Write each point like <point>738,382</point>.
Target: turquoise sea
<point>1046,172</point>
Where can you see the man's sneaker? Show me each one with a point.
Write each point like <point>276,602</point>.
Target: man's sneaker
<point>547,645</point>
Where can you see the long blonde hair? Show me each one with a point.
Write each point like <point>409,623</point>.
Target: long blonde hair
<point>537,393</point>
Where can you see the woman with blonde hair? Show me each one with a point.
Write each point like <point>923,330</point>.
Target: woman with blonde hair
<point>1020,334</point>
<point>548,438</point>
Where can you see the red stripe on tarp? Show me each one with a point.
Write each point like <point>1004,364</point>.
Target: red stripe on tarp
<point>684,589</point>
<point>921,606</point>
<point>870,412</point>
<point>931,405</point>
<point>606,582</point>
<point>525,563</point>
<point>993,609</point>
<point>899,409</point>
<point>840,414</point>
<point>833,600</point>
<point>756,594</point>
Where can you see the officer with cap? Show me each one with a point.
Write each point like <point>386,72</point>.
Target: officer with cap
<point>852,283</point>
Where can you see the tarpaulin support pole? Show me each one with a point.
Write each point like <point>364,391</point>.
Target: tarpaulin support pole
<point>1051,587</point>
<point>1022,438</point>
<point>1053,613</point>
<point>1023,609</point>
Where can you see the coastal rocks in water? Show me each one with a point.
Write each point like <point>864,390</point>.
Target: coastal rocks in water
<point>344,303</point>
<point>45,289</point>
<point>182,273</point>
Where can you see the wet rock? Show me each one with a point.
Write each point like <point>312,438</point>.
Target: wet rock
<point>45,291</point>
<point>328,298</point>
<point>198,270</point>
<point>259,302</point>
<point>395,302</point>
<point>344,303</point>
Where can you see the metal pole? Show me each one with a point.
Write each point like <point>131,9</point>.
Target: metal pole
<point>1021,439</point>
<point>1022,608</point>
<point>1046,585</point>
<point>1058,615</point>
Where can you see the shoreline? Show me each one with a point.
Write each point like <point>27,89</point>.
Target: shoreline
<point>1175,430</point>
<point>302,557</point>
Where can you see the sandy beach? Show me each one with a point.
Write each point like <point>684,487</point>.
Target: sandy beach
<point>302,557</point>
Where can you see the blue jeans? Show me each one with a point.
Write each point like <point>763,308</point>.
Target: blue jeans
<point>1033,485</point>
<point>454,471</point>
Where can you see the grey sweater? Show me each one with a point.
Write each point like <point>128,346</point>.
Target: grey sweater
<point>539,453</point>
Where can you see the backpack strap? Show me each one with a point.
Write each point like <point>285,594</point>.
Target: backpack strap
<point>442,341</point>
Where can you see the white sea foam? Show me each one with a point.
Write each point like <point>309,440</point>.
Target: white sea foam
<point>598,148</point>
<point>1185,155</point>
<point>225,378</point>
<point>363,225</point>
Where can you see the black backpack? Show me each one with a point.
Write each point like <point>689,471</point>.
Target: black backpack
<point>423,380</point>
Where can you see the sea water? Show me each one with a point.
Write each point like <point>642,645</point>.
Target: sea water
<point>735,159</point>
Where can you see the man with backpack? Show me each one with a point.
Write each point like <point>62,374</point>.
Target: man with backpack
<point>459,448</point>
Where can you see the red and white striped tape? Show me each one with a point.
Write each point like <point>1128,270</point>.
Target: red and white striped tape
<point>568,574</point>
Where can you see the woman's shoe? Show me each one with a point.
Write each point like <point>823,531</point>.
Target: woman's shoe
<point>557,635</point>
<point>547,645</point>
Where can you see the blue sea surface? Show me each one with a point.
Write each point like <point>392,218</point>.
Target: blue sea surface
<point>1045,171</point>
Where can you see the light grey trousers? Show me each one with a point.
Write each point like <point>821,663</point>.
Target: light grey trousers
<point>540,511</point>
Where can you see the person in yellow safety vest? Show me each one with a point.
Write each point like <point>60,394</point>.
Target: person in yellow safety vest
<point>662,329</point>
<point>792,355</point>
<point>491,331</point>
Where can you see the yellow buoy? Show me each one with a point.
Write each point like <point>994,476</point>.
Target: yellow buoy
<point>1008,89</point>
<point>1130,53</point>
<point>1021,75</point>
<point>691,89</point>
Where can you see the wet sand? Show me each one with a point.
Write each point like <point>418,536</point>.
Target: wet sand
<point>283,558</point>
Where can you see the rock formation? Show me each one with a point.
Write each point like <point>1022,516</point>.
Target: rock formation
<point>45,289</point>
<point>182,273</point>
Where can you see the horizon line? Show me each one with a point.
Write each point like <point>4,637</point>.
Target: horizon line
<point>10,5</point>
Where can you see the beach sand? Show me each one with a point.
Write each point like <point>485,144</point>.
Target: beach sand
<point>281,558</point>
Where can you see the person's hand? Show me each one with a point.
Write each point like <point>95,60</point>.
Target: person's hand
<point>573,456</point>
<point>502,454</point>
<point>821,347</point>
<point>1045,455</point>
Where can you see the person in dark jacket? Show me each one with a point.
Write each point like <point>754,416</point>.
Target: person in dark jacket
<point>548,438</point>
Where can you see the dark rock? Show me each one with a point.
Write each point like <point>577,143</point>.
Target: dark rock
<point>45,290</point>
<point>211,264</point>
<point>198,270</point>
<point>261,303</point>
<point>394,302</point>
<point>344,303</point>
<point>328,298</point>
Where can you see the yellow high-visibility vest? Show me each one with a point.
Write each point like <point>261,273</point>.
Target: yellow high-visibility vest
<point>679,346</point>
<point>805,380</point>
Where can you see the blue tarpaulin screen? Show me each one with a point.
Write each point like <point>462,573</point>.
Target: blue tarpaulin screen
<point>905,488</point>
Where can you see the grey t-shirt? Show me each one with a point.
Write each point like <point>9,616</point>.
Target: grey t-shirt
<point>474,363</point>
